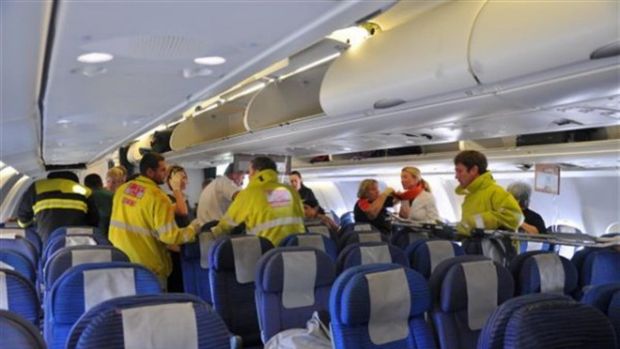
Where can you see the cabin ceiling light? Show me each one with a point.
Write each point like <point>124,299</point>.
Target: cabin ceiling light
<point>210,60</point>
<point>95,57</point>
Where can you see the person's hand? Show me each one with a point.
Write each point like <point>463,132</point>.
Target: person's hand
<point>176,181</point>
<point>388,191</point>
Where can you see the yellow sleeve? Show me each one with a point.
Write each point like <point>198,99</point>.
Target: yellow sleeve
<point>236,214</point>
<point>505,213</point>
<point>165,225</point>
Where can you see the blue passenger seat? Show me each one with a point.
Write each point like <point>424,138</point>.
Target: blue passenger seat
<point>380,306</point>
<point>543,272</point>
<point>465,290</point>
<point>28,233</point>
<point>606,298</point>
<point>195,266</point>
<point>17,295</point>
<point>317,241</point>
<point>425,255</point>
<point>370,253</point>
<point>18,333</point>
<point>12,260</point>
<point>292,283</point>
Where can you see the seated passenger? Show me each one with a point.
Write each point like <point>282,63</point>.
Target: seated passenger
<point>103,201</point>
<point>312,210</point>
<point>534,223</point>
<point>417,202</point>
<point>371,206</point>
<point>296,182</point>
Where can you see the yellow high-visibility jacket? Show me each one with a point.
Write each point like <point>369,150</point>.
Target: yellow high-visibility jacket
<point>487,205</point>
<point>268,208</point>
<point>142,224</point>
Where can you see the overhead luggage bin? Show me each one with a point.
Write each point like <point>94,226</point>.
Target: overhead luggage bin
<point>425,57</point>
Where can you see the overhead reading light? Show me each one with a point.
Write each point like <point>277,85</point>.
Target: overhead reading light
<point>353,36</point>
<point>95,57</point>
<point>211,60</point>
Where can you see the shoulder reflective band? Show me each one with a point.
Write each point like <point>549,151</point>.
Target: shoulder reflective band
<point>482,285</point>
<point>275,223</point>
<point>68,204</point>
<point>390,305</point>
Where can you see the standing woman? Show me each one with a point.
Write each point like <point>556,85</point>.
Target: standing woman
<point>177,183</point>
<point>371,206</point>
<point>417,202</point>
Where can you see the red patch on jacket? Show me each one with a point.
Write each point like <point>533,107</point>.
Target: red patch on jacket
<point>135,190</point>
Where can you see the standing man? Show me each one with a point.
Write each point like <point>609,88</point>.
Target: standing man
<point>58,201</point>
<point>268,208</point>
<point>217,196</point>
<point>143,222</point>
<point>487,205</point>
<point>103,201</point>
<point>304,192</point>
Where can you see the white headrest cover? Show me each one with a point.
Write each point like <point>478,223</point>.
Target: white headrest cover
<point>313,241</point>
<point>205,242</point>
<point>162,326</point>
<point>90,256</point>
<point>369,237</point>
<point>482,284</point>
<point>12,233</point>
<point>79,231</point>
<point>439,251</point>
<point>390,304</point>
<point>360,228</point>
<point>4,294</point>
<point>79,241</point>
<point>551,273</point>
<point>375,254</point>
<point>319,229</point>
<point>299,279</point>
<point>247,252</point>
<point>6,266</point>
<point>103,284</point>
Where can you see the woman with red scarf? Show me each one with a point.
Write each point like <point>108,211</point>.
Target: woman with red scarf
<point>371,206</point>
<point>417,202</point>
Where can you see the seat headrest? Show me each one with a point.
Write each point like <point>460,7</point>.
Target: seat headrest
<point>239,254</point>
<point>12,233</point>
<point>426,255</point>
<point>600,267</point>
<point>68,257</point>
<point>273,273</point>
<point>547,273</point>
<point>383,297</point>
<point>370,253</point>
<point>600,296</point>
<point>319,229</point>
<point>474,284</point>
<point>527,321</point>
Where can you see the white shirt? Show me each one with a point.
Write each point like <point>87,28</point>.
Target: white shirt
<point>423,208</point>
<point>215,199</point>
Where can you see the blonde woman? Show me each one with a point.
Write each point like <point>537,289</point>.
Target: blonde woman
<point>371,206</point>
<point>115,177</point>
<point>417,202</point>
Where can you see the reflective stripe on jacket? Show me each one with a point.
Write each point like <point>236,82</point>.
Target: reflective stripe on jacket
<point>142,224</point>
<point>268,208</point>
<point>487,205</point>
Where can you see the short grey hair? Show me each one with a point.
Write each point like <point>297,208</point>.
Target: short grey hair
<point>522,192</point>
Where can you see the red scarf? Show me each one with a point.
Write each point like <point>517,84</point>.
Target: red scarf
<point>411,194</point>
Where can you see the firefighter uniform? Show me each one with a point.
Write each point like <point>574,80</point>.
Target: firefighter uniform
<point>54,203</point>
<point>142,224</point>
<point>268,208</point>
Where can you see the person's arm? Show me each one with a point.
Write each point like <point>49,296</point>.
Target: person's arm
<point>376,206</point>
<point>25,212</point>
<point>165,226</point>
<point>505,213</point>
<point>180,205</point>
<point>234,216</point>
<point>530,229</point>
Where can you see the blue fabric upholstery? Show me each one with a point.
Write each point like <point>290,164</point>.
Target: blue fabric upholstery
<point>19,263</point>
<point>538,321</point>
<point>30,234</point>
<point>62,260</point>
<point>65,303</point>
<point>273,316</point>
<point>328,244</point>
<point>102,326</point>
<point>349,307</point>
<point>234,301</point>
<point>450,301</point>
<point>419,256</point>
<point>195,277</point>
<point>21,245</point>
<point>351,256</point>
<point>62,231</point>
<point>18,333</point>
<point>402,237</point>
<point>348,234</point>
<point>601,267</point>
<point>21,296</point>
<point>59,242</point>
<point>606,298</point>
<point>347,219</point>
<point>527,275</point>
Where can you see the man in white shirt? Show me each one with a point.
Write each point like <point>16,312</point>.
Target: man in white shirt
<point>218,195</point>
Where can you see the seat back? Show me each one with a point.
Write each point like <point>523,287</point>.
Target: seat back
<point>17,295</point>
<point>425,255</point>
<point>292,283</point>
<point>370,253</point>
<point>68,257</point>
<point>232,272</point>
<point>402,237</point>
<point>347,218</point>
<point>62,231</point>
<point>16,261</point>
<point>548,321</point>
<point>606,298</point>
<point>17,332</point>
<point>29,234</point>
<point>380,306</point>
<point>316,241</point>
<point>153,321</point>
<point>61,241</point>
<point>543,272</point>
<point>316,226</point>
<point>600,267</point>
<point>195,266</point>
<point>84,286</point>
<point>465,291</point>
<point>19,244</point>
<point>350,234</point>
